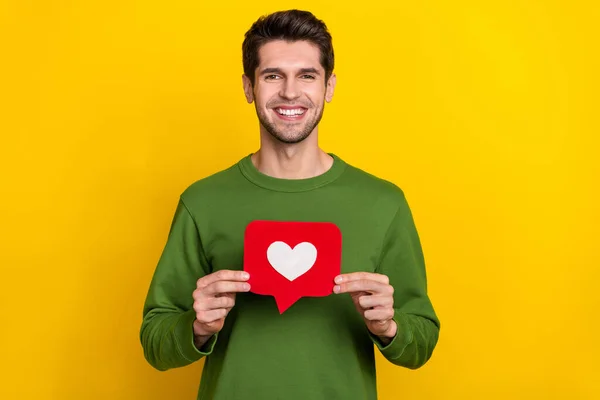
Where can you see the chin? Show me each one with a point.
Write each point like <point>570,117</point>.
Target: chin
<point>289,139</point>
<point>285,133</point>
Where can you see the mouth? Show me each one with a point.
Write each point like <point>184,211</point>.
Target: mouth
<point>290,113</point>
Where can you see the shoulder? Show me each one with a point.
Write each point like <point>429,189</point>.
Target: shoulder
<point>384,190</point>
<point>212,186</point>
<point>385,199</point>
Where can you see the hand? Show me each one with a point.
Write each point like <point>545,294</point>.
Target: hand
<point>373,298</point>
<point>213,298</point>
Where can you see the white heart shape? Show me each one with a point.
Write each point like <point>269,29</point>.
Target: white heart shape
<point>292,263</point>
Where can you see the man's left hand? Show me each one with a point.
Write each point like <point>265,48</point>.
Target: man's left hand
<point>373,298</point>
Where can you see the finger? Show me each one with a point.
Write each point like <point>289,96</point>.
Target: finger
<point>230,295</point>
<point>357,276</point>
<point>221,287</point>
<point>209,316</point>
<point>212,303</point>
<point>202,294</point>
<point>214,326</point>
<point>222,275</point>
<point>379,314</point>
<point>221,302</point>
<point>365,285</point>
<point>372,301</point>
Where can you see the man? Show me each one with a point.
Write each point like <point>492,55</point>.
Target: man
<point>199,303</point>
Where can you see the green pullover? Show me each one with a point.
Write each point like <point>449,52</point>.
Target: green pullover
<point>318,349</point>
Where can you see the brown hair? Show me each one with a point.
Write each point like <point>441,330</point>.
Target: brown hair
<point>290,25</point>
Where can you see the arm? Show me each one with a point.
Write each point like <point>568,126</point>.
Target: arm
<point>417,326</point>
<point>167,334</point>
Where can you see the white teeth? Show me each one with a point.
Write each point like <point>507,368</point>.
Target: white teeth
<point>297,111</point>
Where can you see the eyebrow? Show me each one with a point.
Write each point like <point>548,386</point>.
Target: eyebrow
<point>279,71</point>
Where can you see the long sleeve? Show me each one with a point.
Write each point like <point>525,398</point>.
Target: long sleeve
<point>166,332</point>
<point>403,262</point>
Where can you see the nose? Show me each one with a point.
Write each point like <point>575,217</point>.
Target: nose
<point>289,89</point>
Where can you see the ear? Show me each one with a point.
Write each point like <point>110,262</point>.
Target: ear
<point>330,88</point>
<point>247,89</point>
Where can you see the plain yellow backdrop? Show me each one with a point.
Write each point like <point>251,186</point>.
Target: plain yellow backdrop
<point>485,113</point>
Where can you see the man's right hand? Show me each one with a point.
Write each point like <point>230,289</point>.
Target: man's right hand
<point>213,299</point>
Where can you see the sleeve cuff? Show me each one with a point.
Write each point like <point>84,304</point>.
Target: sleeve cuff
<point>184,335</point>
<point>403,338</point>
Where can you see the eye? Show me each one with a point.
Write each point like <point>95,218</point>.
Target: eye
<point>269,77</point>
<point>310,77</point>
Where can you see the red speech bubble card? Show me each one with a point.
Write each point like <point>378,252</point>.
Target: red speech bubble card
<point>291,260</point>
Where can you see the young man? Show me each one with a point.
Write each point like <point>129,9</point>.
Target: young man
<point>199,303</point>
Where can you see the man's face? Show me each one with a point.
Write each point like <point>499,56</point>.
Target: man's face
<point>289,91</point>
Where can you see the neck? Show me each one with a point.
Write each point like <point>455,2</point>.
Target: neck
<point>291,161</point>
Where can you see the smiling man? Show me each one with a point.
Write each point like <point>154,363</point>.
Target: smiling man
<point>200,305</point>
<point>288,89</point>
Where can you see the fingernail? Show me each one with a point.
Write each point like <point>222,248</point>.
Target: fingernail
<point>338,279</point>
<point>246,287</point>
<point>336,288</point>
<point>245,275</point>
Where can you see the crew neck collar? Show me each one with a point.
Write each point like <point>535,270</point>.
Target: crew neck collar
<point>249,170</point>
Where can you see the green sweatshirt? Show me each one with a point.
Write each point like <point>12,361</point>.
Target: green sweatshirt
<point>318,349</point>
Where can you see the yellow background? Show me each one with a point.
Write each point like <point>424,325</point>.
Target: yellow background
<point>485,113</point>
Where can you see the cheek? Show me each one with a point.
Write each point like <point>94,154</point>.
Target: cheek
<point>263,98</point>
<point>317,95</point>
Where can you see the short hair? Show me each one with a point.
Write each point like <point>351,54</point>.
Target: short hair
<point>290,25</point>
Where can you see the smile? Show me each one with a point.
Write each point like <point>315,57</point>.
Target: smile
<point>290,113</point>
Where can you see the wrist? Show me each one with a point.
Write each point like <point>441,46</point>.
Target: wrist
<point>390,333</point>
<point>199,331</point>
<point>200,336</point>
<point>200,341</point>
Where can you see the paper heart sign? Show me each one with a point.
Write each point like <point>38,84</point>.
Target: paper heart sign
<point>291,260</point>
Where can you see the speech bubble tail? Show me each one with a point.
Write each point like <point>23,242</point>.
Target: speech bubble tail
<point>284,303</point>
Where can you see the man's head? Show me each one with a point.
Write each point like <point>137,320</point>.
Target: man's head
<point>288,72</point>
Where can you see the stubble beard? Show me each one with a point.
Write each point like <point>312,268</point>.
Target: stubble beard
<point>295,132</point>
